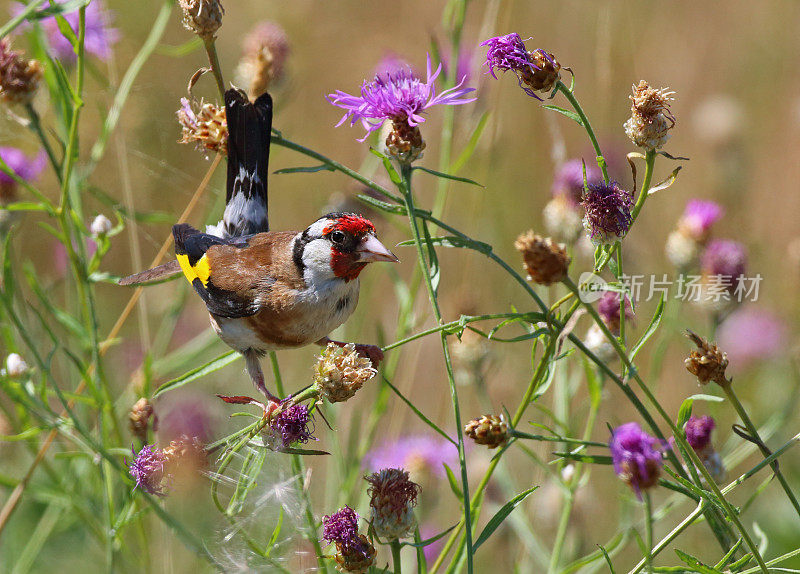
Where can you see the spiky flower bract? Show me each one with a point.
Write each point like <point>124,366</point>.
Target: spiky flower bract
<point>651,119</point>
<point>488,430</point>
<point>707,362</point>
<point>207,127</point>
<point>139,418</point>
<point>608,212</point>
<point>637,456</point>
<point>19,77</point>
<point>392,500</point>
<point>203,17</point>
<point>545,261</point>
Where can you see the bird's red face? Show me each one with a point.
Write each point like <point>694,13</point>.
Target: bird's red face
<point>353,244</point>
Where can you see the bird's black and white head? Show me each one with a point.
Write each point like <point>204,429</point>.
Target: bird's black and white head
<point>339,245</point>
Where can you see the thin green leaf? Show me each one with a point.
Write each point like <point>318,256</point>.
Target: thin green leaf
<point>305,452</point>
<point>651,328</point>
<point>472,144</point>
<point>501,515</point>
<point>311,169</point>
<point>210,367</point>
<point>457,242</point>
<point>424,419</point>
<point>695,564</point>
<point>570,114</point>
<point>730,555</point>
<point>608,559</point>
<point>448,176</point>
<point>451,478</point>
<point>666,182</point>
<point>593,459</point>
<point>431,540</point>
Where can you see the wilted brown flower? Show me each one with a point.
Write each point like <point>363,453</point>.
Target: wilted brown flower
<point>266,49</point>
<point>207,127</point>
<point>356,560</point>
<point>489,430</point>
<point>545,261</point>
<point>19,77</point>
<point>707,362</point>
<point>392,500</point>
<point>203,17</point>
<point>139,418</point>
<point>651,118</point>
<point>341,371</point>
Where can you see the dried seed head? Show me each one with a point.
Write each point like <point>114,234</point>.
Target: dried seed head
<point>681,250</point>
<point>392,500</point>
<point>543,74</point>
<point>19,78</point>
<point>203,17</point>
<point>545,261</point>
<point>489,430</point>
<point>139,418</point>
<point>707,362</point>
<point>206,127</point>
<point>101,225</point>
<point>651,118</point>
<point>405,142</point>
<point>266,49</point>
<point>341,371</point>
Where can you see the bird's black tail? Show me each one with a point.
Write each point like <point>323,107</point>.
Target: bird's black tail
<point>249,127</point>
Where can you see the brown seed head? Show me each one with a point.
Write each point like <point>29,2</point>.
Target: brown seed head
<point>405,142</point>
<point>266,49</point>
<point>203,17</point>
<point>341,371</point>
<point>489,430</point>
<point>545,261</point>
<point>357,560</point>
<point>19,78</point>
<point>139,418</point>
<point>203,124</point>
<point>545,77</point>
<point>707,362</point>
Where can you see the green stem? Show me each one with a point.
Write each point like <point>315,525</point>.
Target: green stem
<point>649,163</point>
<point>398,568</point>
<point>213,60</point>
<point>751,428</point>
<point>648,529</point>
<point>424,267</point>
<point>579,110</point>
<point>36,126</point>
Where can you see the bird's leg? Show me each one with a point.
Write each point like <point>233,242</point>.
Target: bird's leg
<point>256,375</point>
<point>371,352</point>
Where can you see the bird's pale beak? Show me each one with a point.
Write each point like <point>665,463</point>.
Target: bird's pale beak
<point>371,250</point>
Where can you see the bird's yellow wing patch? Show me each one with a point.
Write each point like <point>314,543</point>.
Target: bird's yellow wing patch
<point>200,270</point>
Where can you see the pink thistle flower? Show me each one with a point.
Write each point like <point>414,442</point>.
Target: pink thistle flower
<point>147,469</point>
<point>636,457</point>
<point>698,217</point>
<point>414,452</point>
<point>750,335</point>
<point>569,179</point>
<point>698,431</point>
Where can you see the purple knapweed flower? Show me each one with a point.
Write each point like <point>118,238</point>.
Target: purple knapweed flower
<point>398,96</point>
<point>391,63</point>
<point>724,259</point>
<point>568,181</point>
<point>536,71</point>
<point>341,528</point>
<point>292,424</point>
<point>147,469</point>
<point>608,308</point>
<point>26,168</point>
<point>698,217</point>
<point>99,39</point>
<point>749,335</point>
<point>608,212</point>
<point>636,456</point>
<point>414,452</point>
<point>698,431</point>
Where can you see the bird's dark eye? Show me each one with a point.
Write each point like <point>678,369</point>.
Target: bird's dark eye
<point>338,237</point>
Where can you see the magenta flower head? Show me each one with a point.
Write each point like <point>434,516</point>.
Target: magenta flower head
<point>608,308</point>
<point>536,71</point>
<point>147,469</point>
<point>26,168</point>
<point>698,217</point>
<point>637,457</point>
<point>292,425</point>
<point>354,553</point>
<point>725,259</point>
<point>569,179</point>
<point>752,334</point>
<point>100,36</point>
<point>401,97</point>
<point>698,431</point>
<point>608,212</point>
